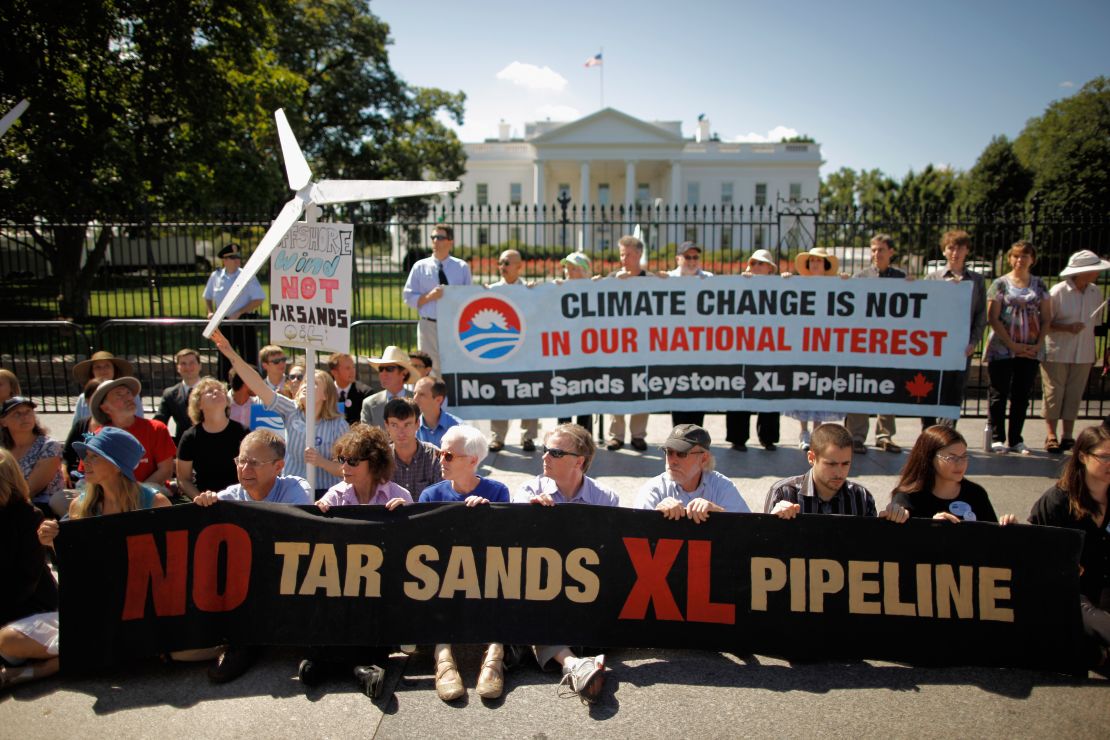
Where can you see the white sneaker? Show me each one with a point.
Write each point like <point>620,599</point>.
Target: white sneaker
<point>1020,448</point>
<point>1000,448</point>
<point>803,441</point>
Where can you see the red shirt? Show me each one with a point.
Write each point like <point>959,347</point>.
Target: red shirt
<point>156,440</point>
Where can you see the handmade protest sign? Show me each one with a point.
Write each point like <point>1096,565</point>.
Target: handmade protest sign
<point>147,582</point>
<point>760,343</point>
<point>310,287</point>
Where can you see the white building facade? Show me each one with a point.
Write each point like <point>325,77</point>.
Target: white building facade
<point>610,158</point>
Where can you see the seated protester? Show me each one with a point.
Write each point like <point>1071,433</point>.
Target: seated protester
<point>1079,501</point>
<point>101,366</point>
<point>464,447</point>
<point>430,395</point>
<point>367,461</point>
<point>330,424</point>
<point>415,463</point>
<point>9,385</point>
<point>689,487</point>
<point>175,399</point>
<point>26,583</point>
<point>39,456</point>
<point>77,433</point>
<point>113,405</point>
<point>259,466</point>
<point>932,482</point>
<point>394,371</point>
<point>206,455</point>
<point>110,458</point>
<point>568,451</point>
<point>825,488</point>
<point>240,399</point>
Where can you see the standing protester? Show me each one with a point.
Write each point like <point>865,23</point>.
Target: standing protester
<point>825,488</point>
<point>243,338</point>
<point>1079,501</point>
<point>101,366</point>
<point>738,423</point>
<point>631,251</point>
<point>352,392</point>
<point>882,252</point>
<point>1018,308</point>
<point>394,371</point>
<point>175,399</point>
<point>955,245</point>
<point>424,287</point>
<point>1070,345</point>
<point>577,266</point>
<point>509,265</point>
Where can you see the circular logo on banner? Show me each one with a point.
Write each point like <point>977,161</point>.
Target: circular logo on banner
<point>490,328</point>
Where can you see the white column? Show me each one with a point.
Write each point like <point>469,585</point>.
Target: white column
<point>538,200</point>
<point>582,236</point>
<point>584,183</point>
<point>676,183</point>
<point>629,184</point>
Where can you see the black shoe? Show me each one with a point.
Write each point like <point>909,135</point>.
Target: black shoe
<point>740,446</point>
<point>310,672</point>
<point>528,445</point>
<point>613,445</point>
<point>769,446</point>
<point>232,663</point>
<point>639,444</point>
<point>496,446</point>
<point>371,679</point>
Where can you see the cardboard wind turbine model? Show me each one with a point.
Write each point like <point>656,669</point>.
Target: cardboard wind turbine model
<point>324,192</point>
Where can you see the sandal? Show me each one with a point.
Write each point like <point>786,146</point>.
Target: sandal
<point>1052,445</point>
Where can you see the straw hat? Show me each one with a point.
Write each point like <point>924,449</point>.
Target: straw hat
<point>82,371</point>
<point>762,255</point>
<point>104,389</point>
<point>394,356</point>
<point>802,260</point>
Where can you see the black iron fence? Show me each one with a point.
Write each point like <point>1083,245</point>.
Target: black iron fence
<point>145,299</point>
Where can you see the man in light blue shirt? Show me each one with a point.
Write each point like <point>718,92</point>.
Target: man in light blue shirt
<point>429,395</point>
<point>689,487</point>
<point>568,451</point>
<point>424,287</point>
<point>261,459</point>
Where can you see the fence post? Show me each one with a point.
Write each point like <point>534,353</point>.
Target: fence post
<point>1035,216</point>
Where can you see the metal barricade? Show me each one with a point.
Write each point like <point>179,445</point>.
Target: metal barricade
<point>42,354</point>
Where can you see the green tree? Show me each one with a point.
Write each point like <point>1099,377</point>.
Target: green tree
<point>998,181</point>
<point>1068,150</point>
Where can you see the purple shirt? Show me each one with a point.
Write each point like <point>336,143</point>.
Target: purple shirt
<point>343,494</point>
<point>588,493</point>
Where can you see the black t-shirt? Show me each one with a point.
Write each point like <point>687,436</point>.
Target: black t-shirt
<point>972,503</point>
<point>212,455</point>
<point>1052,510</point>
<point>25,581</point>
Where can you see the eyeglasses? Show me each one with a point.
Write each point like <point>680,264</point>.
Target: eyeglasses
<point>389,369</point>
<point>351,461</point>
<point>250,462</point>
<point>680,455</point>
<point>558,454</point>
<point>1104,459</point>
<point>960,459</point>
<point>296,377</point>
<point>504,263</point>
<point>440,238</point>
<point>690,256</point>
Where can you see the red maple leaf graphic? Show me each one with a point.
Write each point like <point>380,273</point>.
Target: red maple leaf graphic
<point>919,387</point>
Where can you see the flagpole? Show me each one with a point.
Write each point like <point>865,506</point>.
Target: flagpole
<point>602,77</point>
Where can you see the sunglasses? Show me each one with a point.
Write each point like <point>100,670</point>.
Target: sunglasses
<point>439,238</point>
<point>448,456</point>
<point>389,369</point>
<point>350,461</point>
<point>296,377</point>
<point>278,360</point>
<point>504,263</point>
<point>680,455</point>
<point>558,454</point>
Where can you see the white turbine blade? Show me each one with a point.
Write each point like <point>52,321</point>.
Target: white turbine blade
<point>281,225</point>
<point>345,191</point>
<point>296,168</point>
<point>13,116</point>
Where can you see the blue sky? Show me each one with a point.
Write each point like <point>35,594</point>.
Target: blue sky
<point>890,85</point>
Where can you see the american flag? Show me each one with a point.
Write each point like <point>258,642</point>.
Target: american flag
<point>594,61</point>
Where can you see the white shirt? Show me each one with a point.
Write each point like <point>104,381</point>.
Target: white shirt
<point>1069,306</point>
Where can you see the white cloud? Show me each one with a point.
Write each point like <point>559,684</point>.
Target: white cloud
<point>775,135</point>
<point>558,113</point>
<point>533,77</point>
<point>1067,83</point>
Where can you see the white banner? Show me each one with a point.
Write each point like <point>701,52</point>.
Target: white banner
<point>310,287</point>
<point>722,343</point>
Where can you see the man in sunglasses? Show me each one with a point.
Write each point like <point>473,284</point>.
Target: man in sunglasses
<point>509,265</point>
<point>825,488</point>
<point>394,371</point>
<point>568,451</point>
<point>689,262</point>
<point>424,286</point>
<point>689,487</point>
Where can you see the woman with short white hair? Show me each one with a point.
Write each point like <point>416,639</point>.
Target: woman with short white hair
<point>464,448</point>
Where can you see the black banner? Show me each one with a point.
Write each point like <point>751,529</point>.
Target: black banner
<point>148,582</point>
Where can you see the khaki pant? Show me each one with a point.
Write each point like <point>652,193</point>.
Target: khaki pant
<point>427,339</point>
<point>639,427</point>
<point>499,429</point>
<point>1064,384</point>
<point>857,424</point>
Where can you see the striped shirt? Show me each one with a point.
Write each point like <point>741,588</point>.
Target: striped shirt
<point>422,472</point>
<point>327,432</point>
<point>852,499</point>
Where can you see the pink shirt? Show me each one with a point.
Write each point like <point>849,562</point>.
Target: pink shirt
<point>343,494</point>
